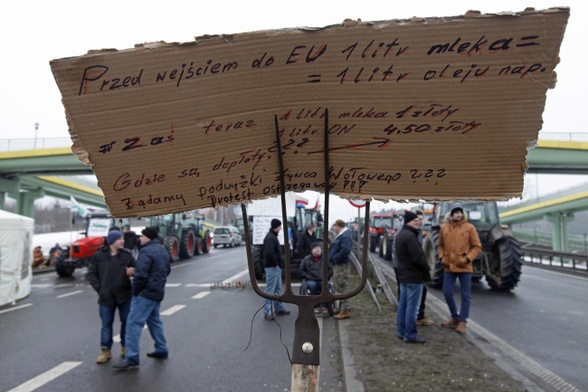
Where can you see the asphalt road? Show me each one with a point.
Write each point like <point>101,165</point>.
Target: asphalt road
<point>539,330</point>
<point>50,340</point>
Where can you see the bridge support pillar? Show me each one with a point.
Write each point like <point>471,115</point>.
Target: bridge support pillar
<point>25,202</point>
<point>7,186</point>
<point>560,221</point>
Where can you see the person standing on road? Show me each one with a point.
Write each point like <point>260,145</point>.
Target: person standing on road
<point>459,245</point>
<point>413,273</point>
<point>273,264</point>
<point>108,274</point>
<point>306,239</point>
<point>151,272</point>
<point>339,259</point>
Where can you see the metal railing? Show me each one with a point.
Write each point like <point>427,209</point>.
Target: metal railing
<point>33,144</point>
<point>546,257</point>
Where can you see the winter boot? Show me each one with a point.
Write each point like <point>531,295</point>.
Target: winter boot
<point>452,323</point>
<point>461,327</point>
<point>105,356</point>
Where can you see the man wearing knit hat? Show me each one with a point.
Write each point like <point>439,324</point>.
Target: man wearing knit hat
<point>311,269</point>
<point>459,245</point>
<point>153,267</point>
<point>108,273</point>
<point>273,264</point>
<point>412,274</point>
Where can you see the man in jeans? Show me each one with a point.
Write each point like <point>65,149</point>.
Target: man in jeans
<point>108,274</point>
<point>153,267</point>
<point>413,273</point>
<point>273,264</point>
<point>459,245</point>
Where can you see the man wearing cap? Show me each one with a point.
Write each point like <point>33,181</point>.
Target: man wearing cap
<point>311,269</point>
<point>273,264</point>
<point>152,269</point>
<point>339,259</point>
<point>459,245</point>
<point>108,273</point>
<point>412,274</point>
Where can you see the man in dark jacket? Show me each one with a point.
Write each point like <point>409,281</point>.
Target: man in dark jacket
<point>339,259</point>
<point>153,267</point>
<point>108,273</point>
<point>306,239</point>
<point>413,273</point>
<point>273,264</point>
<point>311,269</point>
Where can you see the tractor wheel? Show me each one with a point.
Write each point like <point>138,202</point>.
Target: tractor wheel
<point>206,242</point>
<point>64,270</point>
<point>505,262</point>
<point>257,254</point>
<point>432,253</point>
<point>172,244</point>
<point>187,244</point>
<point>199,246</point>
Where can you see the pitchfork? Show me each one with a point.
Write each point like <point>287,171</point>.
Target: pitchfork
<point>306,350</point>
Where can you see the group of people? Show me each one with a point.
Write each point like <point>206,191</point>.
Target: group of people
<point>137,300</point>
<point>459,246</point>
<point>311,266</point>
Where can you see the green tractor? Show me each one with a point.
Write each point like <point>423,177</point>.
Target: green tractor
<point>500,261</point>
<point>183,234</point>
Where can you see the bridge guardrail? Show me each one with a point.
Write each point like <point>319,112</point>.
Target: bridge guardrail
<point>547,257</point>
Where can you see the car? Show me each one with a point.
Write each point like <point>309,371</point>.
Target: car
<point>227,236</point>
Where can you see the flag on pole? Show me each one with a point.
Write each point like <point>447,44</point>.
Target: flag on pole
<point>76,208</point>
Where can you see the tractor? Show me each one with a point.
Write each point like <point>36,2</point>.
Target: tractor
<point>79,253</point>
<point>383,225</point>
<point>500,261</point>
<point>183,234</point>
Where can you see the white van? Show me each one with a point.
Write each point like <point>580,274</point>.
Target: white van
<point>227,235</point>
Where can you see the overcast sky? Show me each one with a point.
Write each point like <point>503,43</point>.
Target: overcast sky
<point>35,32</point>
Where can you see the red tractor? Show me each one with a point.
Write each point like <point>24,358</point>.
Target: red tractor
<point>79,253</point>
<point>383,226</point>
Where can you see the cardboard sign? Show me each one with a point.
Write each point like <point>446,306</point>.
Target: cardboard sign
<point>432,109</point>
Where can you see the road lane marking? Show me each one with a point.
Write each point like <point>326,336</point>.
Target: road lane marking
<point>15,308</point>
<point>201,294</point>
<point>68,294</point>
<point>172,310</point>
<point>41,285</point>
<point>198,284</point>
<point>173,284</point>
<point>44,378</point>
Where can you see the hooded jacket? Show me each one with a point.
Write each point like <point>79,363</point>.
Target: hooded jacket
<point>459,245</point>
<point>341,248</point>
<point>108,275</point>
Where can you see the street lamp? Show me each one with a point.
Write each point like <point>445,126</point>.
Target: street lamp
<point>36,130</point>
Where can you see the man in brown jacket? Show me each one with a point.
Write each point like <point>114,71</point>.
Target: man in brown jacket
<point>459,246</point>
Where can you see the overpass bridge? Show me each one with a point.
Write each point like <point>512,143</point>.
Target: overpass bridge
<point>558,208</point>
<point>31,169</point>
